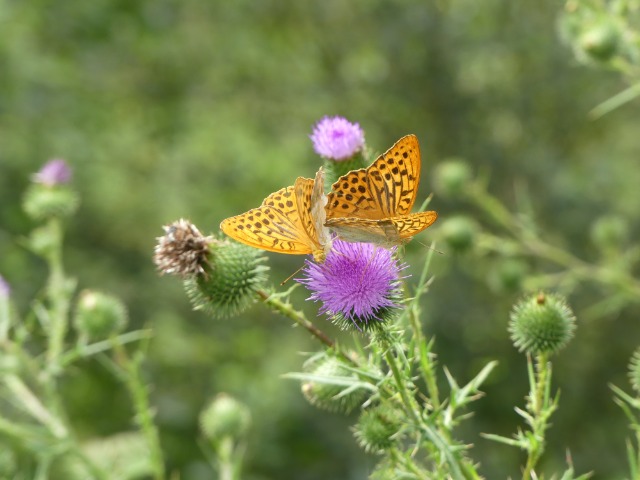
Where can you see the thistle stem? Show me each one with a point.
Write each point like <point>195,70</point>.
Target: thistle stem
<point>288,311</point>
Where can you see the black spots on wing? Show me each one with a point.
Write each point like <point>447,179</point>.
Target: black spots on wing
<point>405,154</point>
<point>258,214</point>
<point>390,161</point>
<point>382,166</point>
<point>240,227</point>
<point>250,217</point>
<point>344,206</point>
<point>266,222</point>
<point>349,197</point>
<point>289,203</point>
<point>345,184</point>
<point>361,189</point>
<point>395,170</point>
<point>286,194</point>
<point>387,176</point>
<point>281,205</point>
<point>400,162</point>
<point>354,180</point>
<point>335,203</point>
<point>353,190</point>
<point>258,225</point>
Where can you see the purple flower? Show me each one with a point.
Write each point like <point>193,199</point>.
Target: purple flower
<point>358,282</point>
<point>54,172</point>
<point>337,138</point>
<point>5,290</point>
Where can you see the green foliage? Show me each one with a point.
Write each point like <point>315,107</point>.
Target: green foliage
<point>186,108</point>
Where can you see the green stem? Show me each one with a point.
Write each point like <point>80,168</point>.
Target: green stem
<point>58,296</point>
<point>459,470</point>
<point>225,459</point>
<point>288,311</point>
<point>144,416</point>
<point>540,409</point>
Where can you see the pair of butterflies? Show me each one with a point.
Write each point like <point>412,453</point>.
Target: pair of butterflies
<point>368,205</point>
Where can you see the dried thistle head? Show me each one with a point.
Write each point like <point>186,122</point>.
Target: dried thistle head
<point>182,250</point>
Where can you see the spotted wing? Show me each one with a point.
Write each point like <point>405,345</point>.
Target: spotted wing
<point>385,189</point>
<point>275,226</point>
<point>386,232</point>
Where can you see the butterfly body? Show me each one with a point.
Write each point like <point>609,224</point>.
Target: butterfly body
<point>289,221</point>
<point>374,204</point>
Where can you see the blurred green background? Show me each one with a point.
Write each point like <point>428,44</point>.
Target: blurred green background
<point>199,109</point>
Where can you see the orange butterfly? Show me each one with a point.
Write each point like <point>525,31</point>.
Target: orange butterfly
<point>289,221</point>
<point>374,204</point>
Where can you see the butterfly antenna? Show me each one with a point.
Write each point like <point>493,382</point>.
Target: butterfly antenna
<point>429,247</point>
<point>291,276</point>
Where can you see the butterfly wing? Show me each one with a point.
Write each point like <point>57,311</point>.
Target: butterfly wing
<point>386,232</point>
<point>275,226</point>
<point>311,206</point>
<point>385,189</point>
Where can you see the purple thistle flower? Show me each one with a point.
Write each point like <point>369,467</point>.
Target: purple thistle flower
<point>336,138</point>
<point>5,290</point>
<point>358,282</point>
<point>54,172</point>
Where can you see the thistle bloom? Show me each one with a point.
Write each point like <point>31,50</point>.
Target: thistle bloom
<point>358,282</point>
<point>336,138</point>
<point>54,172</point>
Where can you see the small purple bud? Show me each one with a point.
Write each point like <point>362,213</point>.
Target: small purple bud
<point>54,172</point>
<point>336,138</point>
<point>5,290</point>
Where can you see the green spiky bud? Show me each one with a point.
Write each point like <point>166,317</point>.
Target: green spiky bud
<point>233,274</point>
<point>224,417</point>
<point>99,315</point>
<point>459,233</point>
<point>43,201</point>
<point>451,177</point>
<point>543,323</point>
<point>376,428</point>
<point>601,40</point>
<point>610,232</point>
<point>330,389</point>
<point>634,371</point>
<point>508,274</point>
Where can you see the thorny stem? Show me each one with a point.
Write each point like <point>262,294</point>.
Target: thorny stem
<point>144,415</point>
<point>534,245</point>
<point>288,311</point>
<point>540,410</point>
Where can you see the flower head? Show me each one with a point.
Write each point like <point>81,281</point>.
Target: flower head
<point>357,284</point>
<point>54,172</point>
<point>337,138</point>
<point>182,250</point>
<point>5,290</point>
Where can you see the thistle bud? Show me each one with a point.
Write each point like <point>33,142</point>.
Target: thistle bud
<point>610,232</point>
<point>451,177</point>
<point>543,323</point>
<point>601,40</point>
<point>330,396</point>
<point>49,196</point>
<point>459,233</point>
<point>231,278</point>
<point>224,417</point>
<point>376,428</point>
<point>99,315</point>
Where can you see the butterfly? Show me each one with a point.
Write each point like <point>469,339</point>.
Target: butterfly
<point>374,204</point>
<point>289,221</point>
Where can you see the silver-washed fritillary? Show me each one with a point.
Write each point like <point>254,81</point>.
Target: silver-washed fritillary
<point>374,204</point>
<point>289,221</point>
